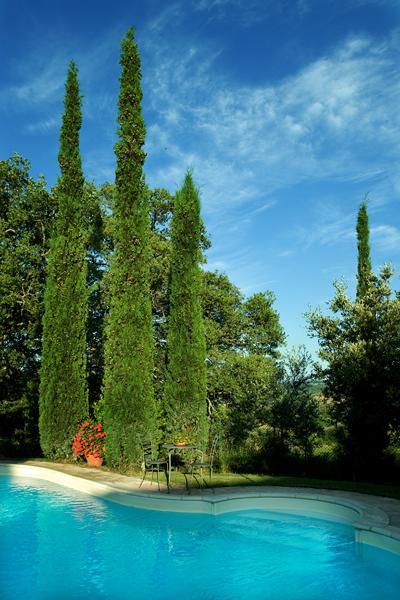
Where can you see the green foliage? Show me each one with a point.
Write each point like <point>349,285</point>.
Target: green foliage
<point>263,332</point>
<point>233,323</point>
<point>185,386</point>
<point>241,390</point>
<point>364,260</point>
<point>223,313</point>
<point>95,207</point>
<point>129,405</point>
<point>243,376</point>
<point>26,217</point>
<point>295,415</point>
<point>360,348</point>
<point>63,386</point>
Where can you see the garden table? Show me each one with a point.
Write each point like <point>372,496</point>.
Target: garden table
<point>175,448</point>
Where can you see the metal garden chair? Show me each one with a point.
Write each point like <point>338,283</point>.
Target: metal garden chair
<point>153,464</point>
<point>201,464</point>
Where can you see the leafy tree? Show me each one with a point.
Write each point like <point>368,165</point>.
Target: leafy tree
<point>63,384</point>
<point>129,405</point>
<point>96,203</point>
<point>360,346</point>
<point>161,206</point>
<point>295,415</point>
<point>185,385</point>
<point>241,390</point>
<point>263,332</point>
<point>224,320</point>
<point>26,218</point>
<point>364,260</point>
<point>232,323</point>
<point>243,375</point>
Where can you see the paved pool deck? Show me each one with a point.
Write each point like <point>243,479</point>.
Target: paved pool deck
<point>376,519</point>
<point>127,483</point>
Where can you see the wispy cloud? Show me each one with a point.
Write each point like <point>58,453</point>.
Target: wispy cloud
<point>249,12</point>
<point>40,78</point>
<point>43,83</point>
<point>44,125</point>
<point>286,253</point>
<point>329,232</point>
<point>172,13</point>
<point>386,238</point>
<point>248,142</point>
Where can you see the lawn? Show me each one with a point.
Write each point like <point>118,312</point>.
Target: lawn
<point>238,479</point>
<point>225,479</point>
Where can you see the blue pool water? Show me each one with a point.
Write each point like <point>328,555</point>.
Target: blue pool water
<point>58,544</point>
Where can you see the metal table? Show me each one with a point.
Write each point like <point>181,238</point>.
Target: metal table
<point>173,449</point>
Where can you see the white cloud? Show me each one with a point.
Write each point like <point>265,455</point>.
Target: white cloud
<point>327,232</point>
<point>386,238</point>
<point>41,77</point>
<point>44,125</point>
<point>336,119</point>
<point>44,82</point>
<point>171,14</point>
<point>249,12</point>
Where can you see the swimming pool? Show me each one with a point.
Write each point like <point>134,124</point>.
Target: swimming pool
<point>58,544</point>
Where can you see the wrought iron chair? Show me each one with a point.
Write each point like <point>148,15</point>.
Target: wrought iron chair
<point>200,464</point>
<point>153,464</point>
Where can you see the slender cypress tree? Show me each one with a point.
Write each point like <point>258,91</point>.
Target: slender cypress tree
<point>128,381</point>
<point>185,386</point>
<point>364,260</point>
<point>63,386</point>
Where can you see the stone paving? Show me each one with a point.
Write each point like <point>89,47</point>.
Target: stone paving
<point>390,506</point>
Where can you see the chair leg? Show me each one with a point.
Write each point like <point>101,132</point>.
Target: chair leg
<point>187,483</point>
<point>144,475</point>
<point>158,477</point>
<point>191,478</point>
<point>152,475</point>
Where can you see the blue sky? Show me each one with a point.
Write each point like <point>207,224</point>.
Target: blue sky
<point>287,110</point>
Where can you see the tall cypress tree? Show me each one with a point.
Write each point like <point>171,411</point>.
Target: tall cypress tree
<point>185,386</point>
<point>63,387</point>
<point>364,260</point>
<point>128,381</point>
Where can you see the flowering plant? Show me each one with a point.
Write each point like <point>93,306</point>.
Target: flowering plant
<point>89,440</point>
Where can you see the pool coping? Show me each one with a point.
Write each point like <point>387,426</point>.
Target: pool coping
<point>371,523</point>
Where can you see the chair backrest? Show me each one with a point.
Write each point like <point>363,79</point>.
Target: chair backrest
<point>213,449</point>
<point>147,448</point>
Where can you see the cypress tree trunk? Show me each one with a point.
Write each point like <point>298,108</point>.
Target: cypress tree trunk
<point>364,260</point>
<point>63,387</point>
<point>128,381</point>
<point>185,386</point>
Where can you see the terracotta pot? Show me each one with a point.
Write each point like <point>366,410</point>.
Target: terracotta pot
<point>94,461</point>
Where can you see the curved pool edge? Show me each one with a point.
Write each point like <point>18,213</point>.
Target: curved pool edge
<point>371,523</point>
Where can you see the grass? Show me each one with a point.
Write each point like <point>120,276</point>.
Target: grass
<point>243,480</point>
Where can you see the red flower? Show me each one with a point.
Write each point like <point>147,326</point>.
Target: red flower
<point>89,440</point>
